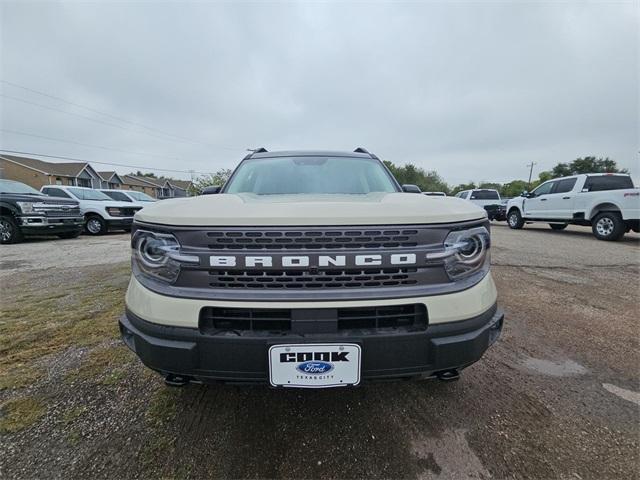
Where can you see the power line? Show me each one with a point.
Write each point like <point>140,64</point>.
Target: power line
<point>114,117</point>
<point>102,147</point>
<point>102,163</point>
<point>78,115</point>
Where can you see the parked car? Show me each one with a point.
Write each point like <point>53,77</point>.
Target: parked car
<point>24,211</point>
<point>130,196</point>
<point>310,270</point>
<point>101,213</point>
<point>435,194</point>
<point>609,203</point>
<point>488,199</point>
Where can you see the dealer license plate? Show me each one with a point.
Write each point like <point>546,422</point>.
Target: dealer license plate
<point>314,365</point>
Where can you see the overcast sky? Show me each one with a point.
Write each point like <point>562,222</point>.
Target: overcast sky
<point>474,90</point>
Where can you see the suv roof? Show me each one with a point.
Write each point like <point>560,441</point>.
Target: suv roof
<point>357,153</point>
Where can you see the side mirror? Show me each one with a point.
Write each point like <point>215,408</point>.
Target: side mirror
<point>211,190</point>
<point>525,194</point>
<point>408,188</point>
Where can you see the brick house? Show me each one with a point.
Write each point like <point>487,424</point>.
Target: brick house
<point>38,173</point>
<point>111,180</point>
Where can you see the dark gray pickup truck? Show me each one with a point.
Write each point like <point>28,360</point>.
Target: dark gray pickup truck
<point>24,211</point>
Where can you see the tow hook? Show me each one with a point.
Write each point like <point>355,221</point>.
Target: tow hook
<point>172,380</point>
<point>448,375</point>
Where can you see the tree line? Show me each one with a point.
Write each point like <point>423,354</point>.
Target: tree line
<point>431,181</point>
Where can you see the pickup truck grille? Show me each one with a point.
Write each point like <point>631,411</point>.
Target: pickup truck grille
<point>57,210</point>
<point>296,279</point>
<point>215,320</point>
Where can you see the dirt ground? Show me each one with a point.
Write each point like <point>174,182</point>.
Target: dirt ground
<point>556,397</point>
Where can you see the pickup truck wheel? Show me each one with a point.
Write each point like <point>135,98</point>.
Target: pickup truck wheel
<point>558,226</point>
<point>608,226</point>
<point>515,220</point>
<point>95,225</point>
<point>9,231</point>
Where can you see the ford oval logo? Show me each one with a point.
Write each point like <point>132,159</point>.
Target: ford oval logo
<point>315,368</point>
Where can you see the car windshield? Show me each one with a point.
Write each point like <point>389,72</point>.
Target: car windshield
<point>142,197</point>
<point>9,186</point>
<point>305,175</point>
<point>88,194</point>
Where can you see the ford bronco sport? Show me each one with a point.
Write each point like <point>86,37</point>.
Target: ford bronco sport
<point>310,269</point>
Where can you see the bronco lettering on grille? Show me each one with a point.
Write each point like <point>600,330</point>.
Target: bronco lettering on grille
<point>297,261</point>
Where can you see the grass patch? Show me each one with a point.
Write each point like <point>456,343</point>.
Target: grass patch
<point>70,415</point>
<point>20,413</point>
<point>163,407</point>
<point>18,376</point>
<point>78,312</point>
<point>110,360</point>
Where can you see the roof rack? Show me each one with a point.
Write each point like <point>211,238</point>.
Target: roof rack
<point>255,150</point>
<point>364,150</point>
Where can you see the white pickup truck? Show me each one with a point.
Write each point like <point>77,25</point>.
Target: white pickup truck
<point>607,202</point>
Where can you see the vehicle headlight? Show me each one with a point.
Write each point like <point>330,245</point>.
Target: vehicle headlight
<point>26,207</point>
<point>466,252</point>
<point>114,211</point>
<point>157,255</point>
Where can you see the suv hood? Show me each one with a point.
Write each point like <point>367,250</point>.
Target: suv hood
<point>283,210</point>
<point>21,197</point>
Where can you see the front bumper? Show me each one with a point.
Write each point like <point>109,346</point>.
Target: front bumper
<point>43,225</point>
<point>124,223</point>
<point>188,352</point>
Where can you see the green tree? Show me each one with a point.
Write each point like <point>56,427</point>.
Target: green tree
<point>513,188</point>
<point>587,165</point>
<point>463,186</point>
<point>213,179</point>
<point>428,181</point>
<point>143,174</point>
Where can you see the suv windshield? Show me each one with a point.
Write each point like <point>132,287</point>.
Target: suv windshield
<point>142,197</point>
<point>87,194</point>
<point>9,186</point>
<point>319,175</point>
<point>118,196</point>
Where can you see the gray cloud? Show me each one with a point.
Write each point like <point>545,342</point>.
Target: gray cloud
<point>472,90</point>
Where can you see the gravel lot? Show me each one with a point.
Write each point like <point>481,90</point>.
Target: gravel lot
<point>556,397</point>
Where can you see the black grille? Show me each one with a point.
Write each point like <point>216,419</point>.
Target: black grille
<point>277,321</point>
<point>392,316</point>
<point>312,239</point>
<point>307,279</point>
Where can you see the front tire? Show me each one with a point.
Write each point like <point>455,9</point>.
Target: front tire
<point>558,226</point>
<point>608,226</point>
<point>9,230</point>
<point>515,220</point>
<point>95,225</point>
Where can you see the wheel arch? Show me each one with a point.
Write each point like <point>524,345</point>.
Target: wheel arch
<point>603,207</point>
<point>8,209</point>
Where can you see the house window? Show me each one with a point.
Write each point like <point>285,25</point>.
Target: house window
<point>84,182</point>
<point>58,181</point>
<point>70,181</point>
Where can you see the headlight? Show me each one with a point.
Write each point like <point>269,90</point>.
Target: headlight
<point>157,255</point>
<point>26,207</point>
<point>114,211</point>
<point>466,252</point>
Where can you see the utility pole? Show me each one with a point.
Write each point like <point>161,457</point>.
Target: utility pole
<point>530,165</point>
